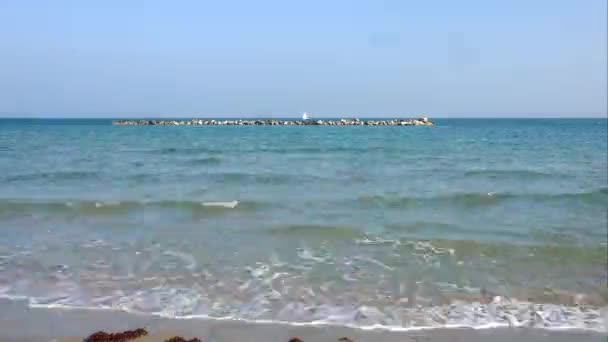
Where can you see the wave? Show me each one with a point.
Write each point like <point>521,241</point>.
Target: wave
<point>92,207</point>
<point>422,226</point>
<point>274,149</point>
<point>222,177</point>
<point>462,199</point>
<point>203,161</point>
<point>174,150</point>
<point>537,320</point>
<point>231,204</point>
<point>317,231</point>
<point>597,197</point>
<point>455,312</point>
<point>493,174</point>
<point>301,293</point>
<point>245,178</point>
<point>54,176</point>
<point>546,251</point>
<point>327,149</point>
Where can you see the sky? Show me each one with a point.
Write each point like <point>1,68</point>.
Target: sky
<point>276,58</point>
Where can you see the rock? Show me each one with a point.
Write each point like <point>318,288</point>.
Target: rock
<point>340,122</point>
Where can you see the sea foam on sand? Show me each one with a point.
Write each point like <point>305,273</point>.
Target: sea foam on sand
<point>19,322</point>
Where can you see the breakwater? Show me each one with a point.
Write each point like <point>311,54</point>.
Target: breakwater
<point>269,122</point>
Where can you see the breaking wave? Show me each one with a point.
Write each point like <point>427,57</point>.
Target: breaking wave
<point>92,207</point>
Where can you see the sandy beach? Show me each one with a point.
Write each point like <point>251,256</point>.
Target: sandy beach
<point>20,323</point>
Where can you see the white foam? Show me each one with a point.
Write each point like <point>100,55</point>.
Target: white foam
<point>264,289</point>
<point>374,261</point>
<point>230,205</point>
<point>305,254</point>
<point>348,278</point>
<point>275,261</point>
<point>377,241</point>
<point>336,319</point>
<point>259,271</point>
<point>188,259</point>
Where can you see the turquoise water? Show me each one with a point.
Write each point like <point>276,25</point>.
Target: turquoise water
<point>348,224</point>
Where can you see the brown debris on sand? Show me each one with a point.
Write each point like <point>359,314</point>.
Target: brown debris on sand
<point>102,336</point>
<point>341,339</point>
<point>181,339</point>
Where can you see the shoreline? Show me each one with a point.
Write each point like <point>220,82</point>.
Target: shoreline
<point>268,122</point>
<point>23,323</point>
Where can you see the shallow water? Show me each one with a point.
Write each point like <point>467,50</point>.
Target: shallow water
<point>399,226</point>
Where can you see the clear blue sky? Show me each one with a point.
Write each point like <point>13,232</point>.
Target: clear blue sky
<point>279,58</point>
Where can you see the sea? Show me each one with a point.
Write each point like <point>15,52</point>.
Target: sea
<point>472,222</point>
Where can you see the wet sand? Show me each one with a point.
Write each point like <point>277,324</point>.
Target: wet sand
<point>20,323</point>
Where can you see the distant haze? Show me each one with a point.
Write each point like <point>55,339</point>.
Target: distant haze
<point>340,58</point>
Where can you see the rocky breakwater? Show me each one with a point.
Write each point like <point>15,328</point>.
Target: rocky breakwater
<point>341,122</point>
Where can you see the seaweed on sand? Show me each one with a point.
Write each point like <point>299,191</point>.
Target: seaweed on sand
<point>102,336</point>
